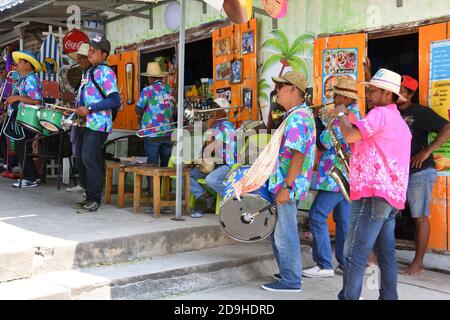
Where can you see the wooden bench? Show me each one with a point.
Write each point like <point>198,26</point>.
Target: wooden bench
<point>157,173</point>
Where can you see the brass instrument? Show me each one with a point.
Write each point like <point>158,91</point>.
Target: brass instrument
<point>11,78</point>
<point>318,109</point>
<point>344,159</point>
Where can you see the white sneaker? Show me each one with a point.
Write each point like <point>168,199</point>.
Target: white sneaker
<point>75,189</point>
<point>316,272</point>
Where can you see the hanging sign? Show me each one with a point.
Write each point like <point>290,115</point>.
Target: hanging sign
<point>439,96</point>
<point>73,40</point>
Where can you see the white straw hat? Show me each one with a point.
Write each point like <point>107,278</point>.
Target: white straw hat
<point>154,70</point>
<point>83,50</point>
<point>387,80</point>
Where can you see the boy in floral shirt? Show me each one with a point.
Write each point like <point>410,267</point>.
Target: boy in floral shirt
<point>96,104</point>
<point>329,197</point>
<point>290,181</point>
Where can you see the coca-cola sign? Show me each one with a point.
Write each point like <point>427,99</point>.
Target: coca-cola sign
<point>73,40</point>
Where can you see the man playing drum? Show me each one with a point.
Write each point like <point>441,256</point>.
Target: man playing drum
<point>224,147</point>
<point>290,181</point>
<point>30,92</point>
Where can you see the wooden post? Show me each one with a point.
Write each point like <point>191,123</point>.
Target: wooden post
<point>137,192</point>
<point>121,188</point>
<point>108,184</point>
<point>156,194</point>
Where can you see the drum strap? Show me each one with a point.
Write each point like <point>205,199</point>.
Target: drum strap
<point>264,165</point>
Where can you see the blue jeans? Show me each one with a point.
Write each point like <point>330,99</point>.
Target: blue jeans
<point>420,186</point>
<point>156,150</point>
<point>90,162</point>
<point>324,202</point>
<point>286,245</point>
<point>214,180</point>
<point>372,225</point>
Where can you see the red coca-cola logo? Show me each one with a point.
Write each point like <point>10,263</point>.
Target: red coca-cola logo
<point>73,40</point>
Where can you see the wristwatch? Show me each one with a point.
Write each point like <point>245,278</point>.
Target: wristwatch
<point>90,109</point>
<point>341,114</point>
<point>285,185</point>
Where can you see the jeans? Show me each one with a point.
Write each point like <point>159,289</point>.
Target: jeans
<point>420,186</point>
<point>286,245</point>
<point>89,162</point>
<point>29,171</point>
<point>214,180</point>
<point>372,225</point>
<point>324,202</point>
<point>156,150</point>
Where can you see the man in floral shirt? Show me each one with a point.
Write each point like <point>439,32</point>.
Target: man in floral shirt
<point>379,171</point>
<point>290,181</point>
<point>30,93</point>
<point>155,109</point>
<point>223,146</point>
<point>329,197</point>
<point>96,103</point>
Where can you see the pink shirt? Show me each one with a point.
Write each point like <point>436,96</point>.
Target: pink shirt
<point>379,164</point>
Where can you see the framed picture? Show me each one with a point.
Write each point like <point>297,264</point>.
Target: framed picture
<point>224,93</point>
<point>236,71</point>
<point>248,42</point>
<point>223,71</point>
<point>223,47</point>
<point>247,99</point>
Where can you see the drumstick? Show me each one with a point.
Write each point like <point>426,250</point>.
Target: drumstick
<point>54,106</point>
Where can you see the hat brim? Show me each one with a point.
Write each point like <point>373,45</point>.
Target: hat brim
<point>400,97</point>
<point>161,75</point>
<point>347,94</point>
<point>279,80</point>
<point>96,46</point>
<point>19,55</point>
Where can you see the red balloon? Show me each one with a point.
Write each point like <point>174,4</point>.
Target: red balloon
<point>73,40</point>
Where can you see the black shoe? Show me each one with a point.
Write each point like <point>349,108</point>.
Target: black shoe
<point>90,206</point>
<point>25,184</point>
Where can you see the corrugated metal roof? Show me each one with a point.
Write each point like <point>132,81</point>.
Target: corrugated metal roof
<point>7,4</point>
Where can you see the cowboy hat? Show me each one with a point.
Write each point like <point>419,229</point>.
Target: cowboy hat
<point>154,70</point>
<point>387,80</point>
<point>293,78</point>
<point>27,56</point>
<point>346,87</point>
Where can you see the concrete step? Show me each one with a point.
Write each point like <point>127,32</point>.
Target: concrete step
<point>159,277</point>
<point>171,275</point>
<point>46,254</point>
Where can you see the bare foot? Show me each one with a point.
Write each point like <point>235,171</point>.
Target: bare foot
<point>414,269</point>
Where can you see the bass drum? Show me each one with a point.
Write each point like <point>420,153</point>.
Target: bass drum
<point>235,215</point>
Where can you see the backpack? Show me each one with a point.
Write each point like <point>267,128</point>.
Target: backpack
<point>114,111</point>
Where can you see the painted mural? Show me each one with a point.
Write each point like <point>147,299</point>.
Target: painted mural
<point>283,56</point>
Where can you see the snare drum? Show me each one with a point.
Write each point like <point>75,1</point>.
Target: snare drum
<point>27,116</point>
<point>50,119</point>
<point>234,214</point>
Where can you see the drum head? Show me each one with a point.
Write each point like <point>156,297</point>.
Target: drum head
<point>29,127</point>
<point>49,126</point>
<point>238,228</point>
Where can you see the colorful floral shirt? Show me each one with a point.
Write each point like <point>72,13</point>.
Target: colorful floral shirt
<point>157,100</point>
<point>328,159</point>
<point>107,80</point>
<point>300,135</point>
<point>30,86</point>
<point>225,132</point>
<point>379,164</point>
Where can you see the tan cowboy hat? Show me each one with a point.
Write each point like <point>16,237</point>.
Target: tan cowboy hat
<point>154,70</point>
<point>27,56</point>
<point>346,87</point>
<point>387,80</point>
<point>294,78</point>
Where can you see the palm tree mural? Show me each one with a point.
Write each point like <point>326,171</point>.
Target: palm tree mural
<point>287,55</point>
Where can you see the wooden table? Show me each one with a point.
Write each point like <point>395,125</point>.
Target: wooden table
<point>156,173</point>
<point>122,168</point>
